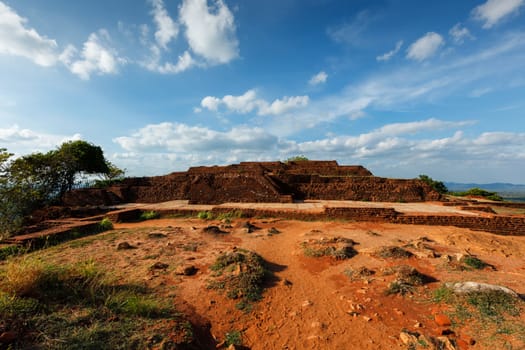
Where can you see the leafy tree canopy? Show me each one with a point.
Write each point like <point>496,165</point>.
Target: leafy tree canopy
<point>31,181</point>
<point>439,186</point>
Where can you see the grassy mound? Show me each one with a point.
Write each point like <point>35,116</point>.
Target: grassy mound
<point>241,274</point>
<point>339,248</point>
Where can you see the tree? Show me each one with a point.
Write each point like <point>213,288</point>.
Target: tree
<point>439,186</point>
<point>40,179</point>
<point>14,198</point>
<point>114,173</point>
<point>79,157</point>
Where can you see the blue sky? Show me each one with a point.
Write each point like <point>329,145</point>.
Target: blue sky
<point>402,87</point>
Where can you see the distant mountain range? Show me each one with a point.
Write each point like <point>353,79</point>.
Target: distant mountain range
<point>508,191</point>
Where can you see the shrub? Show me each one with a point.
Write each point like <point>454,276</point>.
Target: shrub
<point>478,192</point>
<point>339,248</point>
<point>205,215</point>
<point>233,338</point>
<point>149,215</point>
<point>241,274</point>
<point>439,186</point>
<point>474,262</point>
<point>105,224</point>
<point>299,158</point>
<point>393,252</point>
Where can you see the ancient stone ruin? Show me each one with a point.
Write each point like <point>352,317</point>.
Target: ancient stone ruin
<point>272,182</point>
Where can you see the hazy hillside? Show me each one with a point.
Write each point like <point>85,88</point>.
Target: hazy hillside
<point>514,192</point>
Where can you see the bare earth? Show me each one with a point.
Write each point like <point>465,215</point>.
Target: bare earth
<point>313,304</point>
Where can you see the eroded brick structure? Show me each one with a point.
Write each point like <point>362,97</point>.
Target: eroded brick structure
<point>264,182</point>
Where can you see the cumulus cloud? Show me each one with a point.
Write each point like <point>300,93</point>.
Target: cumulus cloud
<point>210,30</point>
<point>17,39</point>
<point>425,47</point>
<point>401,149</point>
<point>249,102</point>
<point>459,34</point>
<point>319,78</point>
<point>494,11</point>
<point>96,57</point>
<point>25,141</point>
<point>167,29</point>
<point>387,56</point>
<point>184,62</point>
<point>177,137</point>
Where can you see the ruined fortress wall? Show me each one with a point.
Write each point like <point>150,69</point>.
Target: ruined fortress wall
<point>261,182</point>
<point>232,187</point>
<point>362,188</point>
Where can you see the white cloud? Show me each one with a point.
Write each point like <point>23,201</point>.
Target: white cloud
<point>425,47</point>
<point>408,87</point>
<point>480,92</point>
<point>387,56</point>
<point>25,141</point>
<point>97,57</point>
<point>399,149</point>
<point>18,40</point>
<point>184,62</point>
<point>281,106</point>
<point>210,30</point>
<point>319,78</point>
<point>182,138</point>
<point>248,102</point>
<point>494,11</point>
<point>351,32</point>
<point>167,29</point>
<point>459,34</point>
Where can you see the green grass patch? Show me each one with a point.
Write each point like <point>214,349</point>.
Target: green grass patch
<point>489,313</point>
<point>79,306</point>
<point>473,262</point>
<point>228,216</point>
<point>233,338</point>
<point>205,215</point>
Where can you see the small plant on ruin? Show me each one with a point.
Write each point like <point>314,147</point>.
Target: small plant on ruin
<point>205,215</point>
<point>149,215</point>
<point>299,158</point>
<point>105,224</point>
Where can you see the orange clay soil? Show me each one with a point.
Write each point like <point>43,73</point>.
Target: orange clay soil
<point>311,303</point>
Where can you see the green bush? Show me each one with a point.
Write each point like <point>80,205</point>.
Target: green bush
<point>233,338</point>
<point>299,158</point>
<point>478,192</point>
<point>439,186</point>
<point>205,215</point>
<point>149,215</point>
<point>105,224</point>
